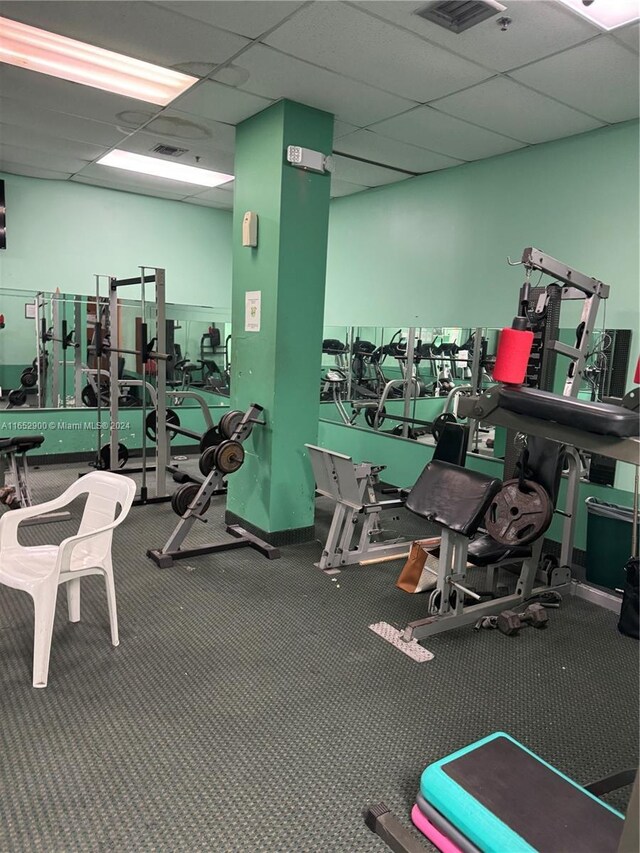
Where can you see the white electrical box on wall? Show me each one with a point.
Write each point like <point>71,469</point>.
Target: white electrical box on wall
<point>250,229</point>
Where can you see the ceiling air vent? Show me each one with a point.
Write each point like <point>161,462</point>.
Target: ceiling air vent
<point>458,15</point>
<point>169,150</point>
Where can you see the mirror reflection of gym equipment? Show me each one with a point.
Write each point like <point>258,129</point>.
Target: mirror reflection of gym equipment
<point>320,426</point>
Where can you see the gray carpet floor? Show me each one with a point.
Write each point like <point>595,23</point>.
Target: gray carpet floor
<point>249,708</point>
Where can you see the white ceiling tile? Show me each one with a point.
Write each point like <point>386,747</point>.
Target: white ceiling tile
<point>506,107</point>
<point>538,29</point>
<point>630,36</point>
<point>31,171</point>
<point>340,188</point>
<point>345,40</point>
<point>135,182</point>
<point>58,124</point>
<point>343,128</point>
<point>274,75</point>
<point>33,139</point>
<point>126,187</point>
<point>204,203</point>
<point>56,162</point>
<point>221,195</point>
<point>39,90</point>
<point>137,29</point>
<point>365,174</point>
<point>390,152</point>
<point>222,103</point>
<point>185,128</point>
<point>600,77</point>
<point>431,129</point>
<point>248,18</point>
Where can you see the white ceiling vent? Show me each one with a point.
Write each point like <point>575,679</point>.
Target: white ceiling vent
<point>458,15</point>
<point>169,150</point>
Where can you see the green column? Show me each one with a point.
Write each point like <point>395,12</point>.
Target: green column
<point>279,365</point>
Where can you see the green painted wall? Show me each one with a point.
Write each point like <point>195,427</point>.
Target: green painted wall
<point>60,233</point>
<point>433,248</point>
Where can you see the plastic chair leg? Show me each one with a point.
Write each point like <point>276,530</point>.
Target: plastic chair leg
<point>44,606</point>
<point>113,612</point>
<point>73,599</point>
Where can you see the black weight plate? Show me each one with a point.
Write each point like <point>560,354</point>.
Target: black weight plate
<point>519,514</point>
<point>211,438</point>
<point>207,463</point>
<point>104,463</point>
<point>229,422</point>
<point>17,397</point>
<point>29,377</point>
<point>184,496</point>
<point>370,417</point>
<point>88,397</point>
<point>440,421</point>
<point>150,424</point>
<point>228,456</point>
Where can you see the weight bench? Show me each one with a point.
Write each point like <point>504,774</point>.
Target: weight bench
<point>351,486</point>
<point>457,500</point>
<point>496,795</point>
<point>13,459</point>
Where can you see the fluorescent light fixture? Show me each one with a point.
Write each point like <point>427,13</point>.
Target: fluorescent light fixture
<point>120,159</point>
<point>606,14</point>
<point>59,56</point>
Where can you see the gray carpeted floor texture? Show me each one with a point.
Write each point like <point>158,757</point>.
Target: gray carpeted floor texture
<point>249,708</point>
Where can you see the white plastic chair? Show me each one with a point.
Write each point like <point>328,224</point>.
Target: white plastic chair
<point>39,570</point>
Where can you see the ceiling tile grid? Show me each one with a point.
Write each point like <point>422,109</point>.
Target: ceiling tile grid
<point>409,96</point>
<point>600,78</point>
<point>538,28</point>
<point>345,40</point>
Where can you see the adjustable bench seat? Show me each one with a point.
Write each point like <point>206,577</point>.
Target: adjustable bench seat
<point>502,797</point>
<point>484,551</point>
<point>452,497</point>
<point>596,418</point>
<point>20,443</point>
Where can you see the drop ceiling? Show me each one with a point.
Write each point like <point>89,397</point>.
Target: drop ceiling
<point>409,96</point>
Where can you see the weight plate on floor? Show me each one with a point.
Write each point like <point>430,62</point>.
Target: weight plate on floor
<point>210,438</point>
<point>440,421</point>
<point>230,422</point>
<point>519,514</point>
<point>184,496</point>
<point>104,461</point>
<point>228,457</point>
<point>370,417</point>
<point>207,463</point>
<point>151,421</point>
<point>17,397</point>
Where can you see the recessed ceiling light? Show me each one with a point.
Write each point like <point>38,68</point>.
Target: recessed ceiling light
<point>59,56</point>
<point>606,14</point>
<point>120,159</point>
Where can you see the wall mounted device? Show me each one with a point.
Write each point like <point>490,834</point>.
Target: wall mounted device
<point>250,229</point>
<point>305,158</point>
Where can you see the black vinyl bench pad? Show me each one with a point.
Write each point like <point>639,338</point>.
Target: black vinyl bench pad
<point>597,418</point>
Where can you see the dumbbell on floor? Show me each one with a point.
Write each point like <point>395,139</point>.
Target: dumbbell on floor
<point>509,622</point>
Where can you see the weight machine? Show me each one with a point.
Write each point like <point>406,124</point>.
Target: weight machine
<point>106,343</point>
<point>192,501</point>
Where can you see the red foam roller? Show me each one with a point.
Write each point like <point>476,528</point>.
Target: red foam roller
<point>636,376</point>
<point>514,349</point>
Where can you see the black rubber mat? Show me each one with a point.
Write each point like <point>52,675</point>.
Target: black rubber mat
<point>249,708</point>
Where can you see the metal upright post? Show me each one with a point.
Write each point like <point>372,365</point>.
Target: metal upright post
<point>409,384</point>
<point>114,335</point>
<point>77,353</point>
<point>162,444</point>
<point>476,382</point>
<point>55,357</point>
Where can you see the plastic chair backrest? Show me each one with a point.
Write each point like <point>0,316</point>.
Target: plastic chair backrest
<point>105,493</point>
